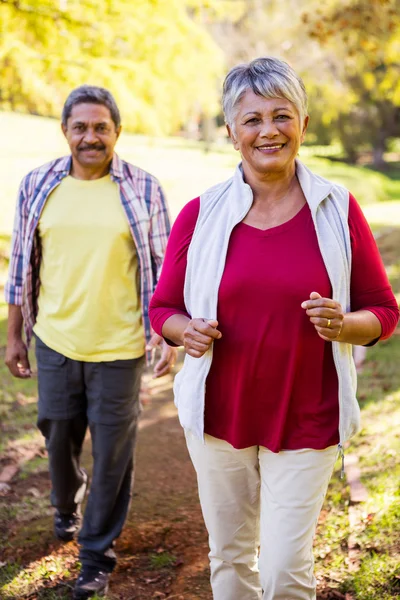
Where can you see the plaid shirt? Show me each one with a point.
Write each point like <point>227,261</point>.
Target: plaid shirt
<point>145,208</point>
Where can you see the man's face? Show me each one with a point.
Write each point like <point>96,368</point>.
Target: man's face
<point>91,135</point>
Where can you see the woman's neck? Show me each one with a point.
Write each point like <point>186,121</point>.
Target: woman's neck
<point>270,188</point>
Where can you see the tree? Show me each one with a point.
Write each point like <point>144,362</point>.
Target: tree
<point>362,40</point>
<point>347,52</point>
<point>161,65</point>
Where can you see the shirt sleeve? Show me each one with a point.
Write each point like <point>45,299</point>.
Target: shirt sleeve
<point>14,285</point>
<point>370,287</point>
<point>159,230</point>
<point>168,298</point>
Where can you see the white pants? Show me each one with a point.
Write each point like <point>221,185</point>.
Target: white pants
<point>251,499</point>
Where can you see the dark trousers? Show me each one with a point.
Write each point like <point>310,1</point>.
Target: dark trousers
<point>104,396</point>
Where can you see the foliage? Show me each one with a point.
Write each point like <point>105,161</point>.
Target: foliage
<point>161,65</point>
<point>361,84</point>
<point>164,61</point>
<point>347,52</point>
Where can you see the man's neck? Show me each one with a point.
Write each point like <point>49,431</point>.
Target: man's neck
<point>80,172</point>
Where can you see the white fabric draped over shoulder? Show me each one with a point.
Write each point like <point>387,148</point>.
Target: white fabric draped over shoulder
<point>221,208</point>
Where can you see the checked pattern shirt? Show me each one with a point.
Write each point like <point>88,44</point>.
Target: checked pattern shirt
<point>143,202</point>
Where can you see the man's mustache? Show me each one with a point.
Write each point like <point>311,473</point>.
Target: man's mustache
<point>94,147</point>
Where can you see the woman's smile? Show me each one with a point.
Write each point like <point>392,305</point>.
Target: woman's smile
<point>270,148</point>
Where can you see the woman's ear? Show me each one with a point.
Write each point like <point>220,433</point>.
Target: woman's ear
<point>305,125</point>
<point>232,136</point>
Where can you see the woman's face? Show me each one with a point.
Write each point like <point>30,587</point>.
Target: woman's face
<point>267,133</point>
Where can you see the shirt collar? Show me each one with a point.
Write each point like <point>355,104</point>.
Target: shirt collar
<point>65,163</point>
<point>116,168</point>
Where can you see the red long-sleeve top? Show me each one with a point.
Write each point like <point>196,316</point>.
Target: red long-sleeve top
<point>272,380</point>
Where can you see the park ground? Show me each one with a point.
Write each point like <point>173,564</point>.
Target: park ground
<point>163,549</point>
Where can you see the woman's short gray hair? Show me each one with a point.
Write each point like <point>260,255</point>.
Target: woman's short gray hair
<point>91,94</point>
<point>268,77</point>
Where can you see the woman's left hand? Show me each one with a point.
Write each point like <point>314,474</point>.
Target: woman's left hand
<point>326,315</point>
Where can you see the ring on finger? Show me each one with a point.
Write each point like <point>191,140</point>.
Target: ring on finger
<point>328,323</point>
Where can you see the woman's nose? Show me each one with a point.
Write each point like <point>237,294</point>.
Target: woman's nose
<point>269,129</point>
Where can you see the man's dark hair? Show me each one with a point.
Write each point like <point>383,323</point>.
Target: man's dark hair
<point>91,94</point>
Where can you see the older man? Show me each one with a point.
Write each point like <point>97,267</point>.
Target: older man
<point>88,243</point>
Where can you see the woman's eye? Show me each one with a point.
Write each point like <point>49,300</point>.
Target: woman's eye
<point>253,120</point>
<point>282,117</point>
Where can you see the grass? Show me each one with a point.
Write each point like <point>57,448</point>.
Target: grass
<point>330,545</point>
<point>162,560</point>
<point>17,400</point>
<point>378,448</point>
<point>18,582</point>
<point>369,187</point>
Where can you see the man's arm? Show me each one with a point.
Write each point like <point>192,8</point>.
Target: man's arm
<point>14,283</point>
<point>17,353</point>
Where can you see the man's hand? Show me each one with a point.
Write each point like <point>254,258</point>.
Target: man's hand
<point>168,355</point>
<point>199,335</point>
<point>17,359</point>
<point>326,315</point>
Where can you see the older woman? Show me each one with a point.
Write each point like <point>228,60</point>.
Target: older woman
<point>268,280</point>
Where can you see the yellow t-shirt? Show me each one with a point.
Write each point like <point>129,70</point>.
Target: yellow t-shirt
<point>89,305</point>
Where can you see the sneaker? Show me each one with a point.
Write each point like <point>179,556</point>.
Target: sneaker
<point>67,526</point>
<point>91,581</point>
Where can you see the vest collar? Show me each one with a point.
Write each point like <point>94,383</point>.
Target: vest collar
<point>315,188</point>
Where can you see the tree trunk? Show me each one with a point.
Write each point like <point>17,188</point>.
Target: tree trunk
<point>208,131</point>
<point>379,148</point>
<point>377,156</point>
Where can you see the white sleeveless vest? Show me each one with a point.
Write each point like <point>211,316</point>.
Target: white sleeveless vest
<point>221,208</point>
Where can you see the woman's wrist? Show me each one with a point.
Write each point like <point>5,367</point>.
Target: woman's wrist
<point>174,328</point>
<point>359,328</point>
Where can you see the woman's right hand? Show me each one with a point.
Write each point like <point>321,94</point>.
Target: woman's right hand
<point>199,335</point>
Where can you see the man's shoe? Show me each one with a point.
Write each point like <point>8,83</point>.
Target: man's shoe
<point>66,527</point>
<point>91,581</point>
